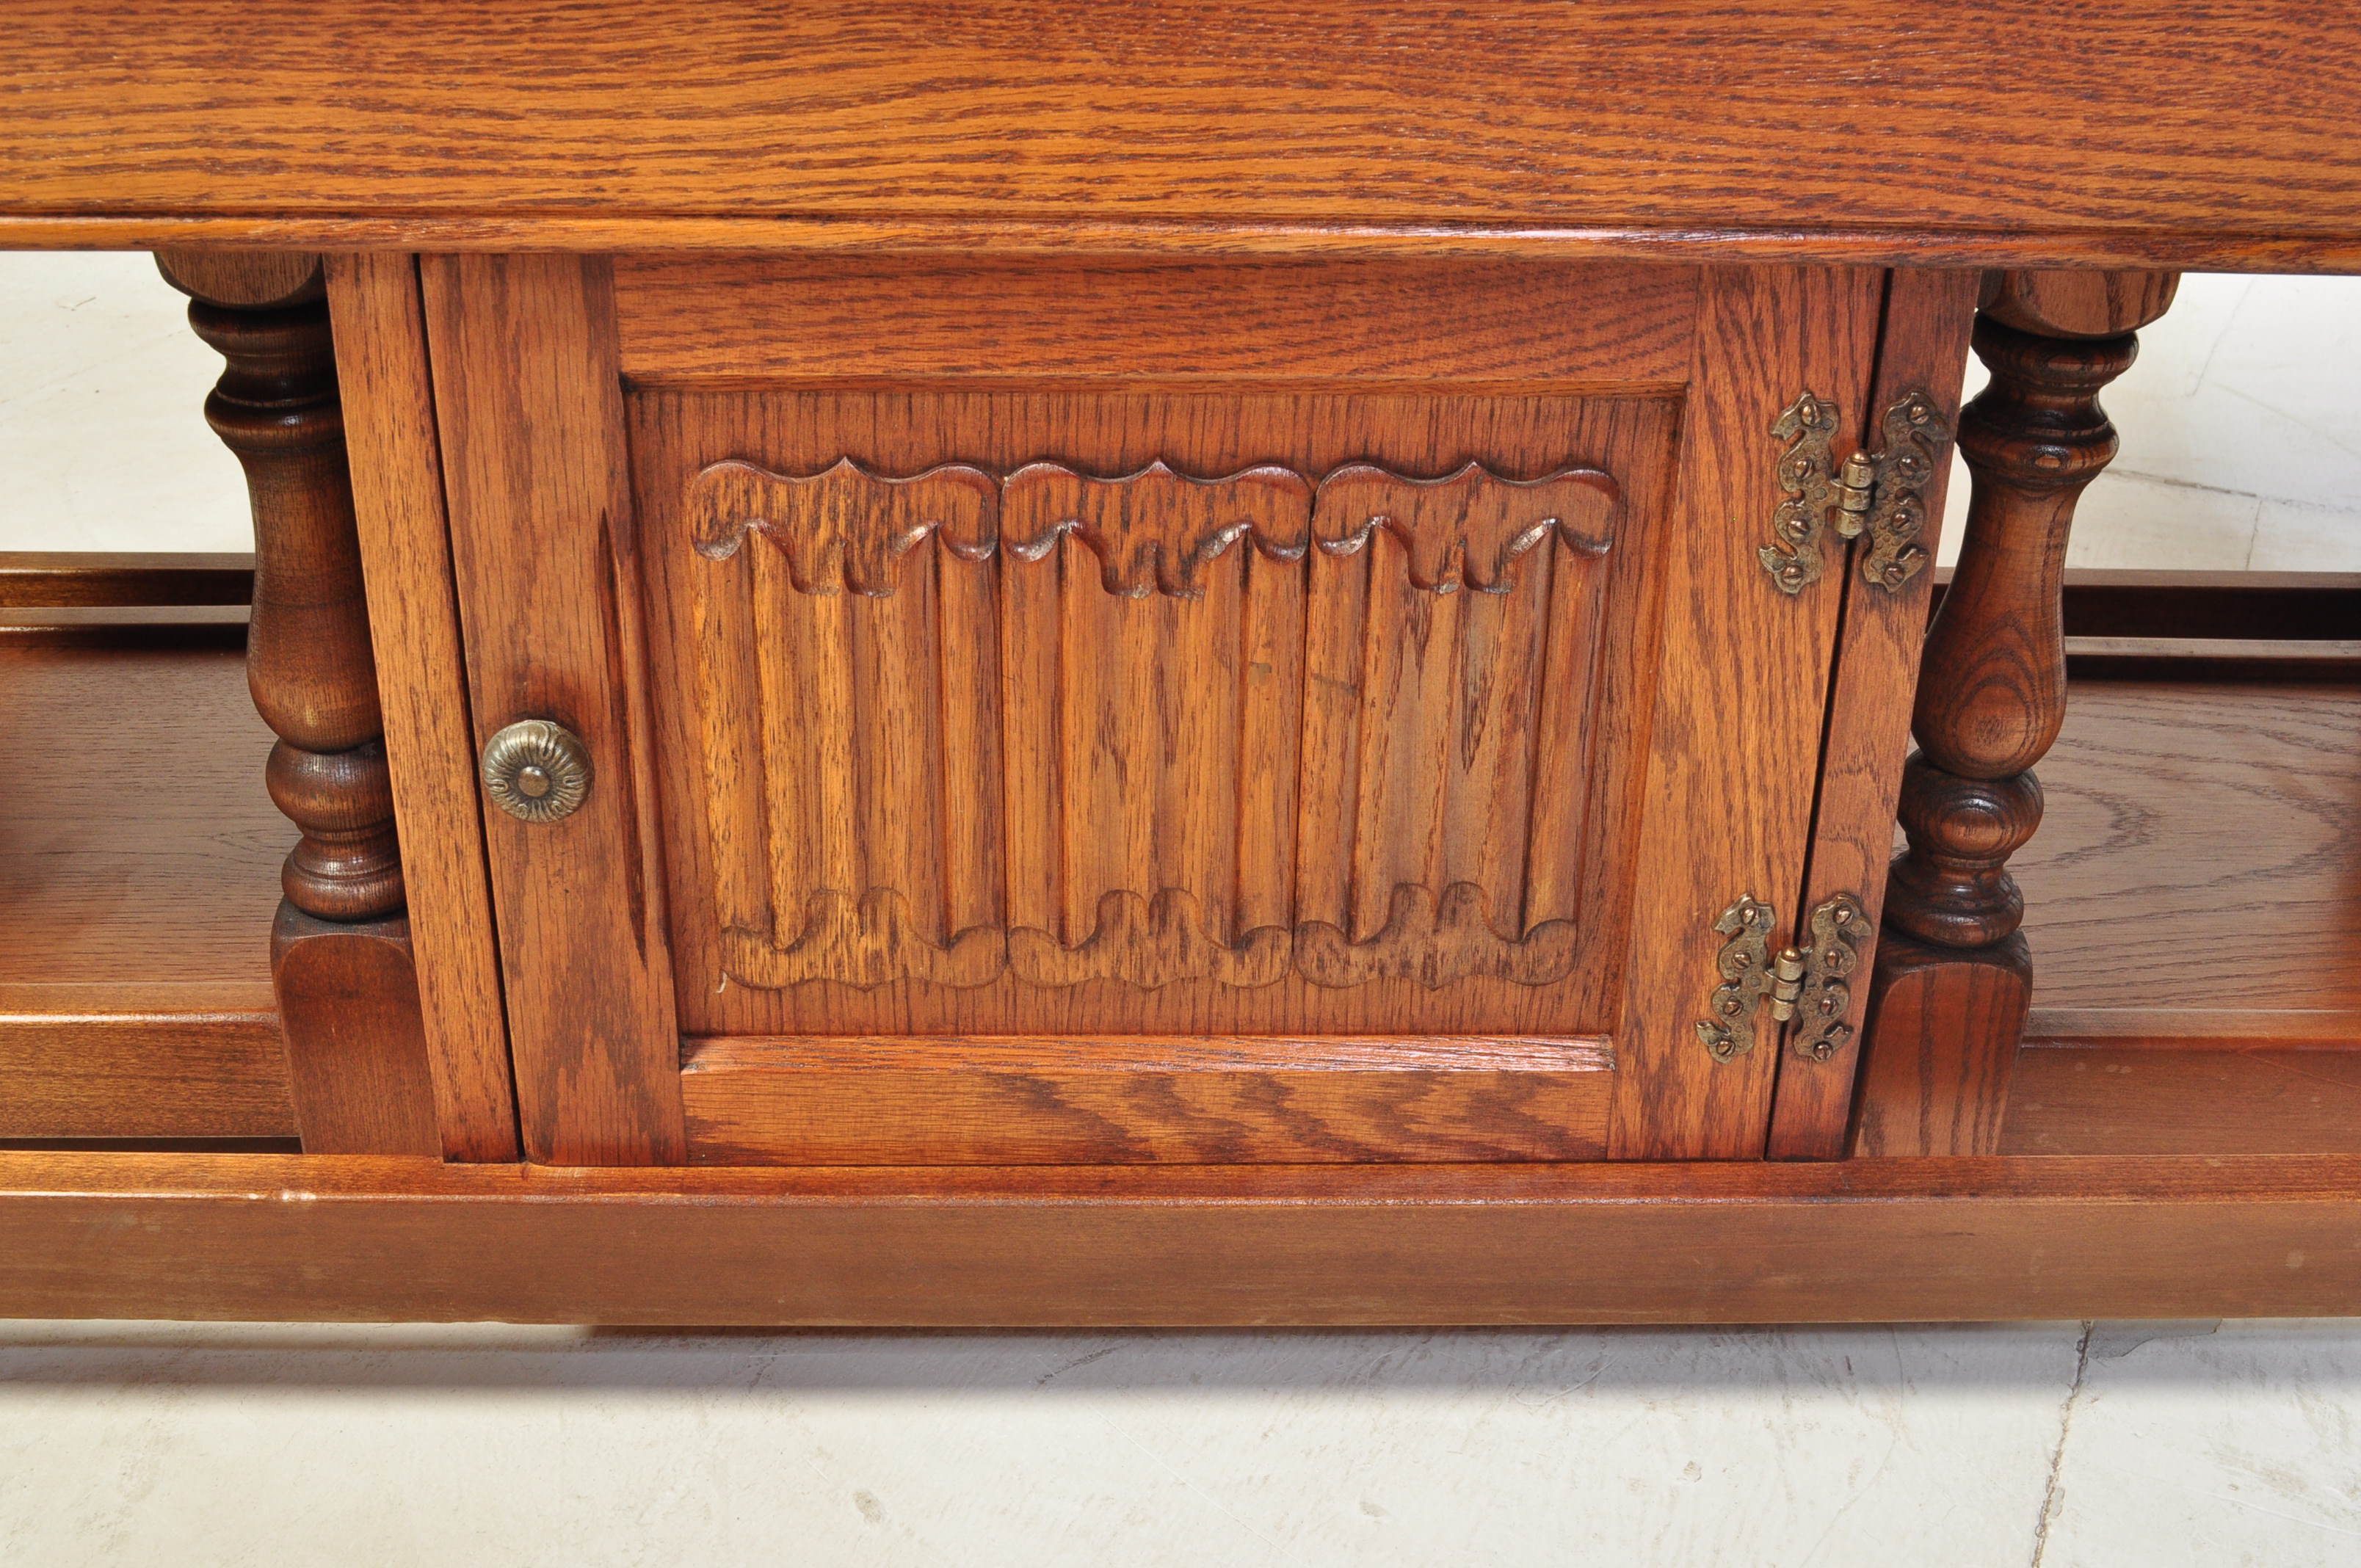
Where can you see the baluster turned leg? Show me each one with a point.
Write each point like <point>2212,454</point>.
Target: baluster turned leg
<point>341,963</point>
<point>1954,975</point>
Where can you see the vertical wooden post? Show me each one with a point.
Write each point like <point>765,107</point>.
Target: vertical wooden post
<point>1954,976</point>
<point>1924,351</point>
<point>340,949</point>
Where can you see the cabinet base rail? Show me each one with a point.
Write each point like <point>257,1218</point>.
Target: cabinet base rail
<point>402,1238</point>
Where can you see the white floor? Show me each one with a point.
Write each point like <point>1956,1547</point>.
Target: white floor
<point>2058,1445</point>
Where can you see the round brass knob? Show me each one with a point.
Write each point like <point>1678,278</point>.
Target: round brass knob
<point>536,771</point>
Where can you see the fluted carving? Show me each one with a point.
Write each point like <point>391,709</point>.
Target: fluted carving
<point>1147,729</point>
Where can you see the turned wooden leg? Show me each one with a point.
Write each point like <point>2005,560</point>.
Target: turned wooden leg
<point>1953,977</point>
<point>340,950</point>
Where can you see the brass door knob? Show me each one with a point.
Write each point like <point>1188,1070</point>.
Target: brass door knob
<point>536,771</point>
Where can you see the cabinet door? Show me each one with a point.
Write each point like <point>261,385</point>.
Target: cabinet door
<point>1309,711</point>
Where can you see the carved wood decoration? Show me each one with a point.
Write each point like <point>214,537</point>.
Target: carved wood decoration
<point>1147,728</point>
<point>309,663</point>
<point>1953,979</point>
<point>341,965</point>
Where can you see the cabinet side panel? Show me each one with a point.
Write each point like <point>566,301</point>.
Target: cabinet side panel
<point>1928,316</point>
<point>381,367</point>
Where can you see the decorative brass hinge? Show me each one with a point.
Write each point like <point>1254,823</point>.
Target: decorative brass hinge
<point>1807,983</point>
<point>1882,493</point>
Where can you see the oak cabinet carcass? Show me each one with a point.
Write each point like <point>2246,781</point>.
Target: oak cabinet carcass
<point>1301,711</point>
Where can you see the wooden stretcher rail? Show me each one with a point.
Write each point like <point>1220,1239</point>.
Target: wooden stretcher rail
<point>2283,606</point>
<point>48,579</point>
<point>384,1237</point>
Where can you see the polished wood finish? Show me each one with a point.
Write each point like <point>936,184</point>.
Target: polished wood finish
<point>2129,875</point>
<point>312,672</point>
<point>1210,621</point>
<point>308,661</point>
<point>218,627</point>
<point>1196,635</point>
<point>381,367</point>
<point>135,980</point>
<point>105,601</point>
<point>1243,1100</point>
<point>357,1059</point>
<point>1606,325</point>
<point>1928,316</point>
<point>1014,713</point>
<point>1992,691</point>
<point>245,279</point>
<point>1944,1027</point>
<point>2189,135</point>
<point>2078,305</point>
<point>2197,857</point>
<point>2277,606</point>
<point>1240,709</point>
<point>1739,704</point>
<point>2211,659</point>
<point>528,400</point>
<point>1951,888</point>
<point>121,1075</point>
<point>1990,699</point>
<point>163,886</point>
<point>325,1237</point>
<point>90,579</point>
<point>2229,1098</point>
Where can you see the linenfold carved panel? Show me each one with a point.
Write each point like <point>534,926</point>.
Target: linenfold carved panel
<point>1154,530</point>
<point>1147,729</point>
<point>846,527</point>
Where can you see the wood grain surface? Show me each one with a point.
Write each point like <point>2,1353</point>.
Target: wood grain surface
<point>214,628</point>
<point>2211,659</point>
<point>2078,304</point>
<point>1738,707</point>
<point>308,661</point>
<point>1430,615</point>
<point>958,1101</point>
<point>245,279</point>
<point>528,403</point>
<point>1104,745</point>
<point>112,1074</point>
<point>134,918</point>
<point>2201,850</point>
<point>1606,325</point>
<point>166,879</point>
<point>1942,1038</point>
<point>2133,1097</point>
<point>357,1053</point>
<point>1726,810</point>
<point>1928,318</point>
<point>324,1237</point>
<point>405,544</point>
<point>1944,1024</point>
<point>2286,606</point>
<point>108,578</point>
<point>2204,132</point>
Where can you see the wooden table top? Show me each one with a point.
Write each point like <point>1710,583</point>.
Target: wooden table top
<point>2198,134</point>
